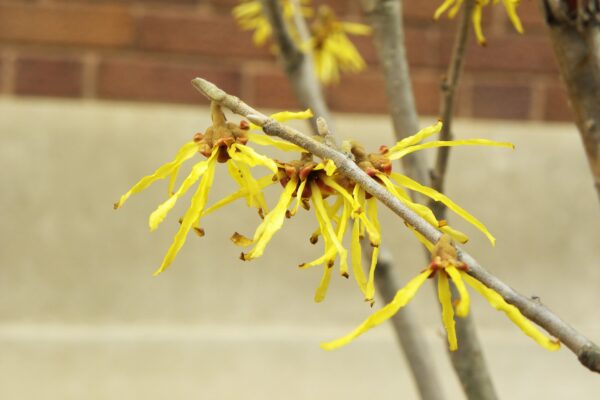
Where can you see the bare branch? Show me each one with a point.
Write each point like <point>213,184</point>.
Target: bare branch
<point>587,352</point>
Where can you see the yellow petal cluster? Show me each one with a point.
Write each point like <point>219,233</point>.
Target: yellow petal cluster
<point>223,142</point>
<point>396,183</point>
<point>447,268</point>
<point>453,6</point>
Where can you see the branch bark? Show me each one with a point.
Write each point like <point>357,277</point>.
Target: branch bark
<point>575,35</point>
<point>587,352</point>
<point>385,17</point>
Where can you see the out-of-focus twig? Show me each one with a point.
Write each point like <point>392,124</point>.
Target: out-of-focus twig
<point>587,352</point>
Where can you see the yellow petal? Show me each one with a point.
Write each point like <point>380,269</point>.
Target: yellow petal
<point>372,213</point>
<point>452,13</point>
<point>447,311</point>
<point>186,152</point>
<point>462,309</point>
<point>455,234</point>
<point>247,155</point>
<point>322,289</point>
<point>341,190</point>
<point>161,212</point>
<point>284,116</point>
<point>265,140</point>
<point>317,201</point>
<point>437,196</point>
<point>402,297</point>
<point>442,143</point>
<point>342,225</point>
<point>272,223</point>
<point>417,137</point>
<point>242,175</point>
<point>299,192</point>
<point>511,10</point>
<point>262,183</point>
<point>356,253</point>
<point>512,312</point>
<point>356,29</point>
<point>328,166</point>
<point>476,17</point>
<point>442,9</point>
<point>193,213</point>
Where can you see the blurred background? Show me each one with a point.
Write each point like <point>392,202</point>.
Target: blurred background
<point>96,94</point>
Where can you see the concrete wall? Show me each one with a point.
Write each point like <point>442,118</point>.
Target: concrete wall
<point>82,317</point>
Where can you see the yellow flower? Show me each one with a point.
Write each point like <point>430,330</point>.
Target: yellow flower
<point>251,17</point>
<point>333,51</point>
<point>454,6</point>
<point>396,183</point>
<point>223,142</point>
<point>448,268</point>
<point>310,183</point>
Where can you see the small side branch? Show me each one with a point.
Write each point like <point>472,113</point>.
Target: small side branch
<point>449,87</point>
<point>585,350</point>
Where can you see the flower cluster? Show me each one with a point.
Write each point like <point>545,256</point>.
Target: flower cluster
<point>452,6</point>
<point>447,267</point>
<point>329,44</point>
<point>339,204</point>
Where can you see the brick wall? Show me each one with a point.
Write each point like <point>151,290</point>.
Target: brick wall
<point>148,50</point>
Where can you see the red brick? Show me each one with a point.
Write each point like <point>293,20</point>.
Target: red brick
<point>340,7</point>
<point>506,100</point>
<point>160,81</point>
<point>360,93</point>
<point>426,88</point>
<point>269,87</point>
<point>202,33</point>
<point>509,52</point>
<point>556,104</point>
<point>41,76</point>
<point>422,47</point>
<point>74,25</point>
<point>422,10</point>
